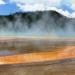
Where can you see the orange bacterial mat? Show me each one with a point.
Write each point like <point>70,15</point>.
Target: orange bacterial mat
<point>68,52</point>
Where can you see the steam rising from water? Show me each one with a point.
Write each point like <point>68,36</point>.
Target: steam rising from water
<point>37,23</point>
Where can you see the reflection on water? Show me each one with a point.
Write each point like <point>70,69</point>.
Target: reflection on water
<point>17,46</point>
<point>6,52</point>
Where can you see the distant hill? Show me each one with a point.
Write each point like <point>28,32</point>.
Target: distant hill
<point>44,22</point>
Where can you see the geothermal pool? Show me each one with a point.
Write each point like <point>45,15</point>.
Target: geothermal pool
<point>14,52</point>
<point>23,45</point>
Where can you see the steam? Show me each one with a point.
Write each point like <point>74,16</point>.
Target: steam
<point>42,23</point>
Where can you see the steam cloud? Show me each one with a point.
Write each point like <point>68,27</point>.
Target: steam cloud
<point>32,24</point>
<point>37,23</point>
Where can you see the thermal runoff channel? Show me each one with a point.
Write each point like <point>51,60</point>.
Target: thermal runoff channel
<point>39,23</point>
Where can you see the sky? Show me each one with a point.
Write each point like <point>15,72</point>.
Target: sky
<point>65,7</point>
